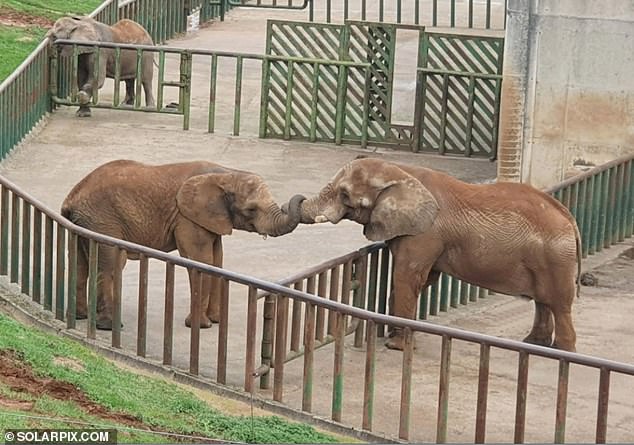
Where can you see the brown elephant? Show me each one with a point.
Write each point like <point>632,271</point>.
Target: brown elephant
<point>507,237</point>
<point>185,206</point>
<point>124,31</point>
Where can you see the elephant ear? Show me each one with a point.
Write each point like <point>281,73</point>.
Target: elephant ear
<point>404,207</point>
<point>202,200</point>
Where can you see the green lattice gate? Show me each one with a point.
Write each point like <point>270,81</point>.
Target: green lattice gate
<point>458,100</point>
<point>457,88</point>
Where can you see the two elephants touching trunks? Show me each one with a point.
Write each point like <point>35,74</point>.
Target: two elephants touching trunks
<point>510,238</point>
<point>185,206</point>
<point>89,30</point>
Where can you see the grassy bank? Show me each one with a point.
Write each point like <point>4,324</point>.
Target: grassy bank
<point>23,25</point>
<point>156,403</point>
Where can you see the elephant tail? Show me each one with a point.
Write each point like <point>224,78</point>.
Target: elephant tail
<point>579,255</point>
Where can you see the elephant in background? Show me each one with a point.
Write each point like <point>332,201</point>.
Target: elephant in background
<point>507,237</point>
<point>185,206</point>
<point>124,31</point>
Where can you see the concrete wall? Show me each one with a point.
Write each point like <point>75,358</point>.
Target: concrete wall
<point>578,81</point>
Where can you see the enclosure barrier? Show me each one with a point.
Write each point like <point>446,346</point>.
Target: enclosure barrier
<point>38,251</point>
<point>286,119</point>
<point>24,95</point>
<point>602,202</point>
<point>487,14</point>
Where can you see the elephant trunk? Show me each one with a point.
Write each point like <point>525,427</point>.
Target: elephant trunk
<point>281,223</point>
<point>313,207</point>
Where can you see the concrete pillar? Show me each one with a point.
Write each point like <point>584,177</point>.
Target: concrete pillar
<point>514,85</point>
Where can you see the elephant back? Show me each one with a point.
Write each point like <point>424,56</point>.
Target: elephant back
<point>129,31</point>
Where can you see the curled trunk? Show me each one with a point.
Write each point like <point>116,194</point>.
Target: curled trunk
<point>280,223</point>
<point>313,207</point>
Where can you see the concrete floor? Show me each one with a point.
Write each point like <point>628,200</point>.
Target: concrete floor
<point>49,163</point>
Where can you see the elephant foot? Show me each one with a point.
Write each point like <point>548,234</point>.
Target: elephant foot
<point>81,315</point>
<point>83,112</point>
<point>396,340</point>
<point>540,340</point>
<point>564,346</point>
<point>83,97</point>
<point>104,324</point>
<point>205,322</point>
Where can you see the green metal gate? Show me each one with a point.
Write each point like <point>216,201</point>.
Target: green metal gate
<point>457,89</point>
<point>458,94</point>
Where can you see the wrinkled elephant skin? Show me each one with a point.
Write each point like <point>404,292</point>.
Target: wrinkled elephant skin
<point>185,206</point>
<point>507,237</point>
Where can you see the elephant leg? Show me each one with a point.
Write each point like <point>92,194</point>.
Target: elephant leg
<point>129,92</point>
<point>147,72</point>
<point>81,302</point>
<point>195,243</point>
<point>558,291</point>
<point>107,262</point>
<point>565,336</point>
<point>215,290</point>
<point>543,327</point>
<point>412,267</point>
<point>85,89</point>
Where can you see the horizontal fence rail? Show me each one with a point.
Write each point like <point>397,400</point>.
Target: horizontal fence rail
<point>39,251</point>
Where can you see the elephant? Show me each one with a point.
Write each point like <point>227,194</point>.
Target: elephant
<point>124,31</point>
<point>507,237</point>
<point>187,206</point>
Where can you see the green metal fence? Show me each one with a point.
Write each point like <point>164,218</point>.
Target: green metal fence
<point>484,14</point>
<point>602,201</point>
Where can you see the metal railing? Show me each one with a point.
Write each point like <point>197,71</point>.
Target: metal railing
<point>187,58</point>
<point>488,14</point>
<point>38,251</point>
<point>602,202</point>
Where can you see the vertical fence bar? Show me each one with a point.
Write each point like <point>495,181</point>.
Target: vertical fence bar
<point>321,312</point>
<point>71,305</point>
<point>602,407</point>
<point>15,237</point>
<point>383,287</point>
<point>603,210</point>
<point>488,15</point>
<point>443,392</point>
<point>368,387</point>
<point>434,13</point>
<point>264,96</point>
<point>455,292</point>
<point>26,247</point>
<point>252,320</point>
<point>61,271</point>
<point>37,256</point>
<point>116,99</point>
<point>337,382</point>
<point>483,392</point>
<point>611,199</point>
<point>617,233</point>
<point>444,292</point>
<point>406,384</point>
<point>596,213</point>
<point>161,80</point>
<point>185,86</point>
<point>288,109</point>
<point>168,323</point>
<point>93,253</point>
<point>629,197</point>
<point>212,93</point>
<point>359,298</point>
<point>116,299</point>
<point>223,332</point>
<point>309,347</point>
<point>195,312</point>
<point>333,295</point>
<point>268,334</point>
<point>48,264</point>
<point>238,97</point>
<point>4,231</point>
<point>296,319</point>
<point>280,347</point>
<point>520,405</point>
<point>142,310</point>
<point>314,102</point>
<point>341,103</point>
<point>562,401</point>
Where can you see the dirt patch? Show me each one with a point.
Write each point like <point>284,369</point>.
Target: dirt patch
<point>11,17</point>
<point>20,377</point>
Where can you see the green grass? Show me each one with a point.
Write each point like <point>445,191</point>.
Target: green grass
<point>15,45</point>
<point>52,9</point>
<point>154,401</point>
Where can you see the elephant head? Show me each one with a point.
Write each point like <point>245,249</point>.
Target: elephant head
<point>74,28</point>
<point>221,202</point>
<point>387,200</point>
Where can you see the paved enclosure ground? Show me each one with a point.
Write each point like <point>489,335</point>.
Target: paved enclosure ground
<point>67,148</point>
